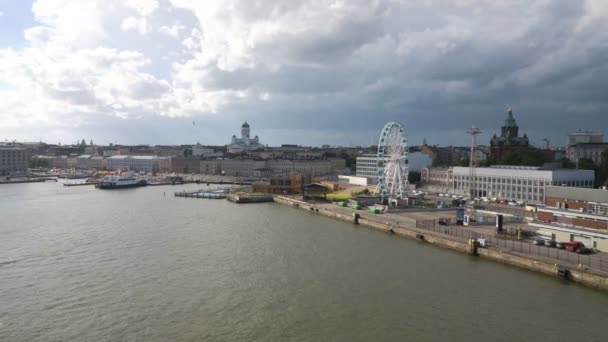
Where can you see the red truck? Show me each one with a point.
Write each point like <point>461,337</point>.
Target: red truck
<point>573,246</point>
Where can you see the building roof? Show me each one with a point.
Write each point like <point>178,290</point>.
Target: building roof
<point>245,125</point>
<point>510,120</point>
<point>580,194</point>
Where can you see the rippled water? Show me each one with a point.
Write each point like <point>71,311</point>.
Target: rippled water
<point>80,264</point>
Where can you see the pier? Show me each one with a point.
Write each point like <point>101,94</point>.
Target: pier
<point>218,193</point>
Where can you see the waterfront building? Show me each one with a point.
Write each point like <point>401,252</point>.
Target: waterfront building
<point>211,166</point>
<point>245,142</point>
<point>574,214</point>
<point>315,167</point>
<point>243,167</point>
<point>367,165</point>
<point>139,163</point>
<point>509,139</point>
<point>13,159</point>
<point>59,162</point>
<point>88,162</point>
<point>439,179</point>
<point>289,183</point>
<point>518,183</point>
<point>586,145</point>
<point>82,162</point>
<point>186,165</point>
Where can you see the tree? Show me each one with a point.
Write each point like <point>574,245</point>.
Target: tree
<point>586,164</point>
<point>464,162</point>
<point>531,157</point>
<point>566,163</point>
<point>602,171</point>
<point>413,177</point>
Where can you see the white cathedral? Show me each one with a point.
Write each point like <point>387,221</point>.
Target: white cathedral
<point>245,142</point>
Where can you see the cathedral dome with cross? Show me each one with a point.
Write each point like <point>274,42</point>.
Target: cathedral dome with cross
<point>245,142</point>
<point>509,139</point>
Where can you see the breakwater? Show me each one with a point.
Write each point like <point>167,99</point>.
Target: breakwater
<point>574,274</point>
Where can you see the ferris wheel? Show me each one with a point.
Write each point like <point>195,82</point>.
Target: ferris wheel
<point>392,162</point>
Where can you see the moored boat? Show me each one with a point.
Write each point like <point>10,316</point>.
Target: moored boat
<point>126,180</point>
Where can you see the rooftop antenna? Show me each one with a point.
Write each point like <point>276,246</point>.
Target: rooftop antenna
<point>474,132</point>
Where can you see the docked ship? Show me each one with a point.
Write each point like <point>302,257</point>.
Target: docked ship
<point>127,180</point>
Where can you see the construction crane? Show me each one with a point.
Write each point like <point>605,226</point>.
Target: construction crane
<point>474,132</point>
<point>546,143</point>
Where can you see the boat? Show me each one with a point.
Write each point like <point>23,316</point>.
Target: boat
<point>77,175</point>
<point>126,180</point>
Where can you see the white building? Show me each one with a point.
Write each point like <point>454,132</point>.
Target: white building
<point>259,167</point>
<point>199,150</point>
<point>243,167</point>
<point>367,164</point>
<point>306,166</point>
<point>139,163</point>
<point>518,183</point>
<point>586,145</point>
<point>245,142</point>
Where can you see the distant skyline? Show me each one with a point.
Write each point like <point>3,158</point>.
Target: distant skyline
<point>300,72</point>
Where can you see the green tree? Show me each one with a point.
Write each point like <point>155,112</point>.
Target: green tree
<point>531,157</point>
<point>566,163</point>
<point>413,177</point>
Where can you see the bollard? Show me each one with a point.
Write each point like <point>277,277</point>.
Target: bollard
<point>356,218</point>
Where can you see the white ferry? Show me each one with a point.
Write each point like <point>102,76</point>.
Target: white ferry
<point>127,180</point>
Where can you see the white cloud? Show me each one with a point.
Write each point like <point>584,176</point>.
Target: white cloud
<point>284,60</point>
<point>172,31</point>
<point>135,24</point>
<point>143,7</point>
<point>594,11</point>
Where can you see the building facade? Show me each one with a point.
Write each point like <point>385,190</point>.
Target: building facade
<point>186,165</point>
<point>509,139</point>
<point>367,165</point>
<point>518,183</point>
<point>245,142</point>
<point>243,167</point>
<point>139,163</point>
<point>211,166</point>
<point>575,214</point>
<point>587,145</point>
<point>13,159</point>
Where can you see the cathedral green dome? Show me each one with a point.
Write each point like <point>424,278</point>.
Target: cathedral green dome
<point>510,120</point>
<point>245,125</point>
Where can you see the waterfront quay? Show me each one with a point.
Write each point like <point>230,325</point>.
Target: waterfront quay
<point>422,225</point>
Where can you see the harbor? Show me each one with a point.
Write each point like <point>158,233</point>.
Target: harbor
<point>194,258</point>
<point>412,225</point>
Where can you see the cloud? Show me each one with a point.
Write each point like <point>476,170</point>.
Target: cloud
<point>135,24</point>
<point>172,30</point>
<point>308,72</point>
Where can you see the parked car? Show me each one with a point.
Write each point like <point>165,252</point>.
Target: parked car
<point>584,250</point>
<point>538,242</point>
<point>573,246</point>
<point>550,243</point>
<point>561,245</point>
<point>443,222</point>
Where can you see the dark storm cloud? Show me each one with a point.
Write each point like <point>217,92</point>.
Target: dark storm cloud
<point>315,72</point>
<point>539,64</point>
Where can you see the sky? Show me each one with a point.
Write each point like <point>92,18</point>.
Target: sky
<point>306,72</point>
